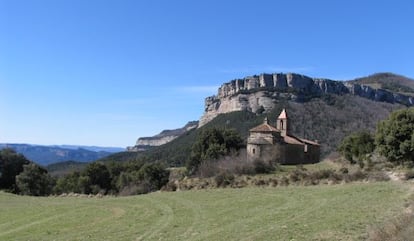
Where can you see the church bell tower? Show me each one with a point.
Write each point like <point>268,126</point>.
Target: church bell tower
<point>282,123</point>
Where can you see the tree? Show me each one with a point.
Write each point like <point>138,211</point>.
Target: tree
<point>395,136</point>
<point>356,146</point>
<point>11,164</point>
<point>73,182</point>
<point>153,176</point>
<point>34,180</point>
<point>98,175</point>
<point>211,144</point>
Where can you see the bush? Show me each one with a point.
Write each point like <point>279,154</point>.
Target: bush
<point>11,165</point>
<point>344,170</point>
<point>34,180</point>
<point>322,174</point>
<point>224,179</point>
<point>98,175</point>
<point>356,146</point>
<point>152,177</point>
<point>395,136</point>
<point>261,167</point>
<point>212,144</point>
<point>377,176</point>
<point>409,174</point>
<point>358,175</point>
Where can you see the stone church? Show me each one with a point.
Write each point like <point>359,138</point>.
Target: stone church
<point>277,145</point>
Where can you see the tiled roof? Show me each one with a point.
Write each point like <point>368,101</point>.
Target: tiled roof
<point>309,142</point>
<point>292,140</point>
<point>298,141</point>
<point>264,128</point>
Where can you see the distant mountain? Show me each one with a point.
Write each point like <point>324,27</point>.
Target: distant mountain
<point>145,143</point>
<point>45,155</point>
<point>92,148</point>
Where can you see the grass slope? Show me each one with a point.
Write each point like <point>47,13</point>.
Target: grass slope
<point>340,212</point>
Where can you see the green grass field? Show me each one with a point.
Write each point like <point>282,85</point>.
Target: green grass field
<point>337,212</point>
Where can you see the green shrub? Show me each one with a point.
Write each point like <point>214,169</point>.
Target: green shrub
<point>356,146</point>
<point>152,177</point>
<point>224,179</point>
<point>395,136</point>
<point>261,167</point>
<point>212,144</point>
<point>34,180</point>
<point>409,174</point>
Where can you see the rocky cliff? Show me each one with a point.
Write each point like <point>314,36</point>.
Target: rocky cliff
<point>144,143</point>
<point>260,93</point>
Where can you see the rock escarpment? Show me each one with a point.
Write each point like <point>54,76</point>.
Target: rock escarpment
<point>144,143</point>
<point>260,93</point>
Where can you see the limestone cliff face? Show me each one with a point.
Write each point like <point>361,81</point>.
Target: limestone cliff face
<point>260,92</point>
<point>144,143</point>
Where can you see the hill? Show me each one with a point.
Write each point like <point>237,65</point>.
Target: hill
<point>319,109</point>
<point>177,152</point>
<point>338,212</point>
<point>260,93</point>
<point>45,155</point>
<point>388,81</point>
<point>65,167</point>
<point>328,120</point>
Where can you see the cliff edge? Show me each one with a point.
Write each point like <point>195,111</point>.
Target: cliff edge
<point>144,143</point>
<point>260,93</point>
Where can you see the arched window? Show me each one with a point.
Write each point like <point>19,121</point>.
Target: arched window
<point>254,151</point>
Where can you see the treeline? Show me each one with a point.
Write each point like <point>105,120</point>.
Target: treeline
<point>19,175</point>
<point>124,178</point>
<point>136,176</point>
<point>393,139</point>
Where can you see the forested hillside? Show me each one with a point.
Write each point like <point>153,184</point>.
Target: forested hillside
<point>327,119</point>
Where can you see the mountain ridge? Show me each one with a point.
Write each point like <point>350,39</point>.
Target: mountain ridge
<point>165,136</point>
<point>260,93</point>
<point>45,155</point>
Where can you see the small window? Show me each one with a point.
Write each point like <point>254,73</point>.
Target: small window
<point>305,148</point>
<point>254,151</point>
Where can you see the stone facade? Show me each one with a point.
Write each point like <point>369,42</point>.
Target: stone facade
<point>276,145</point>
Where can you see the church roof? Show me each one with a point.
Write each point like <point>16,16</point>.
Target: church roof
<point>309,142</point>
<point>298,141</point>
<point>292,140</point>
<point>264,128</point>
<point>283,115</point>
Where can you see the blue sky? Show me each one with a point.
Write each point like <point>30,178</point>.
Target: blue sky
<point>104,73</point>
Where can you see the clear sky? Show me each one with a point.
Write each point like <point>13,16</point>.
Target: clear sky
<point>96,72</point>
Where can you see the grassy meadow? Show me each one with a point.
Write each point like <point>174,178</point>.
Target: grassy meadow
<point>325,212</point>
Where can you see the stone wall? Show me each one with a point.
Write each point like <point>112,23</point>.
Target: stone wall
<point>265,153</point>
